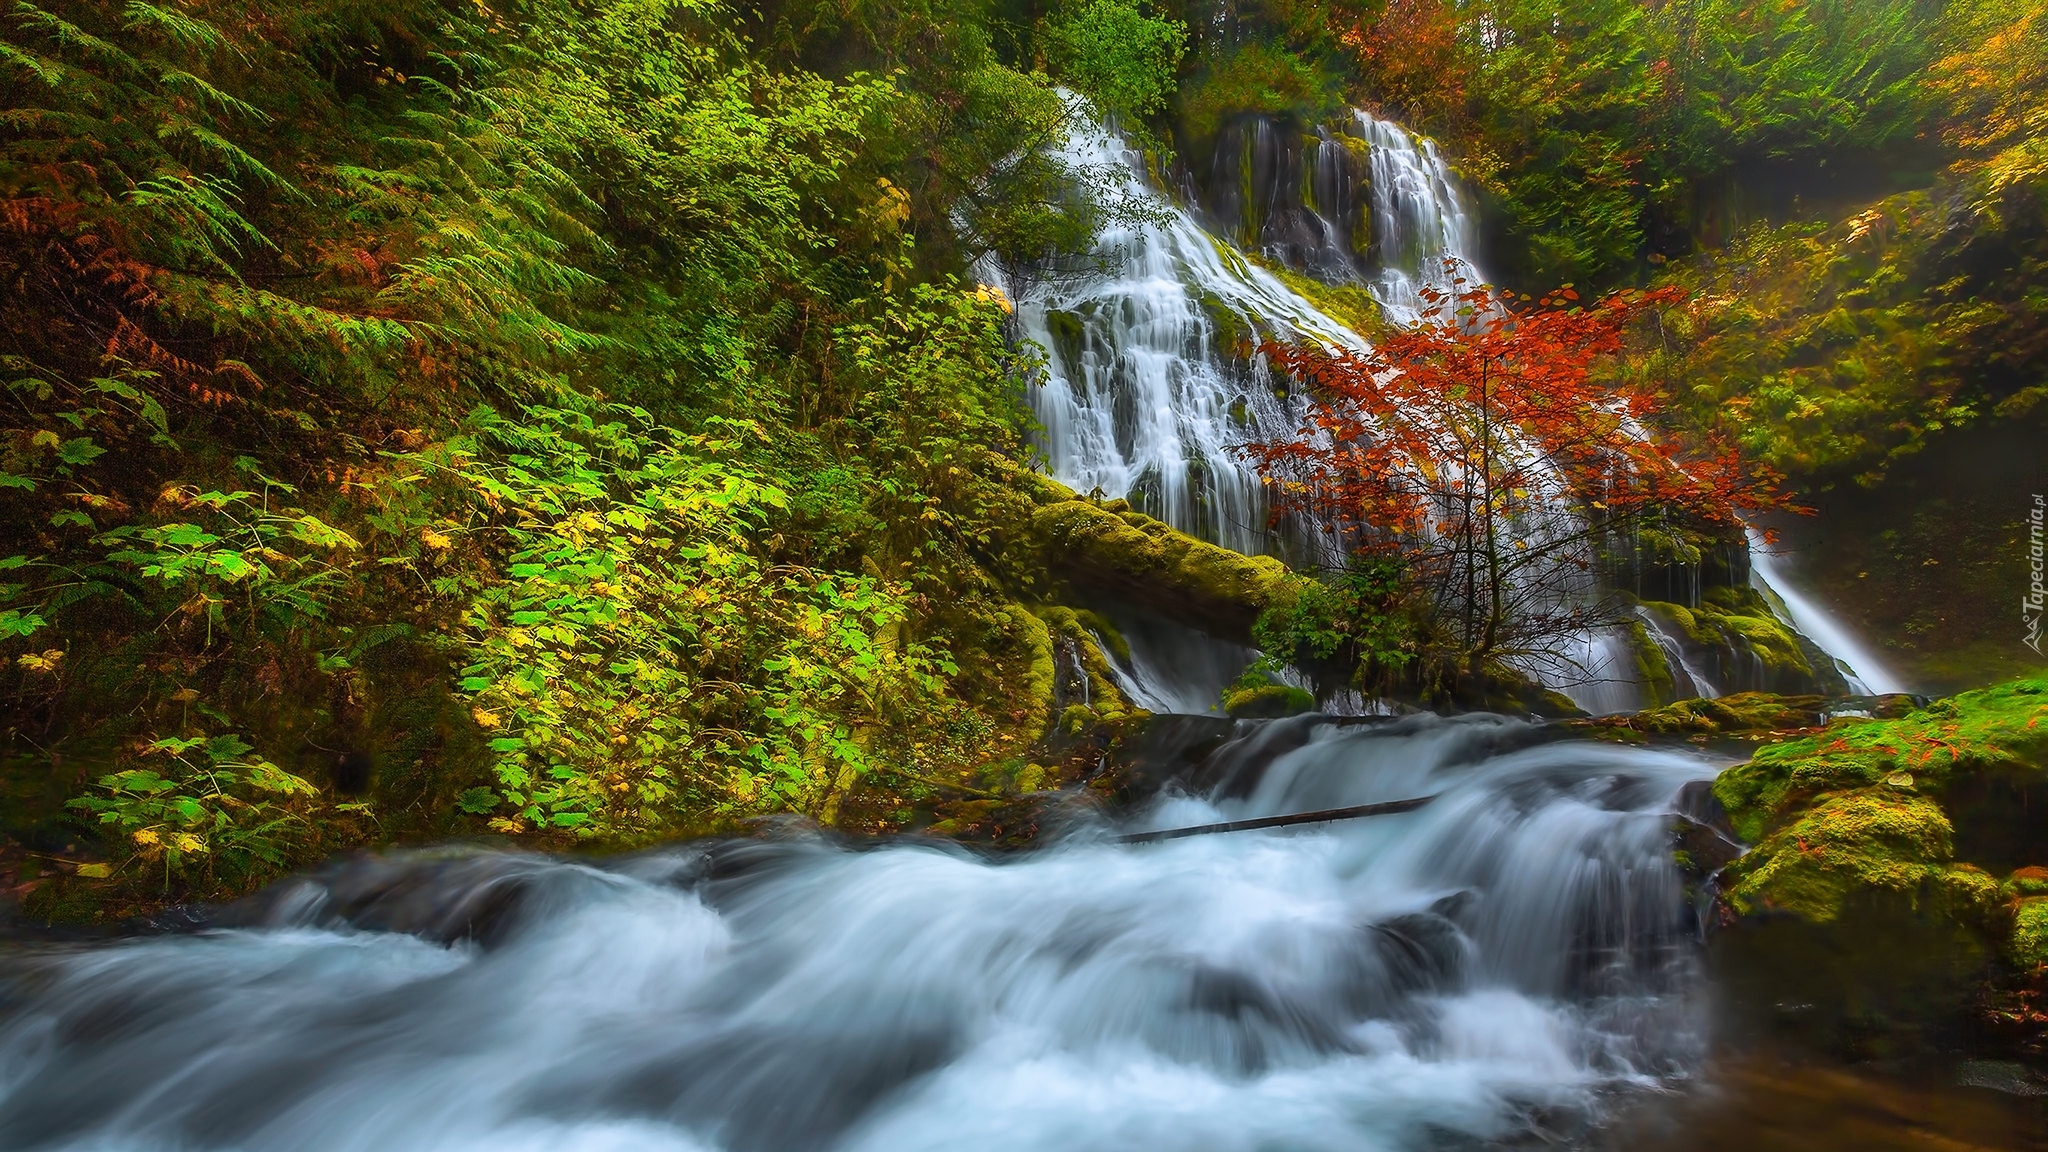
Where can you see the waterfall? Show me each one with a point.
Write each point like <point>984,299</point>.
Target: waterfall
<point>1150,384</point>
<point>1688,678</point>
<point>1358,202</point>
<point>1496,969</point>
<point>1172,668</point>
<point>1857,664</point>
<point>1423,234</point>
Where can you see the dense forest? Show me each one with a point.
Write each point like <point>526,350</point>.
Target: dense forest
<point>590,422</point>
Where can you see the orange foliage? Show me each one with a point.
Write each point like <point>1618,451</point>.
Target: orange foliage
<point>1411,57</point>
<point>1484,450</point>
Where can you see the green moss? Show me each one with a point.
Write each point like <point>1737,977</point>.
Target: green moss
<point>1653,669</point>
<point>1082,628</point>
<point>1350,304</point>
<point>1132,556</point>
<point>1068,332</point>
<point>2029,881</point>
<point>1899,814</point>
<point>2028,945</point>
<point>1997,727</point>
<point>1738,621</point>
<point>1878,838</point>
<point>1042,675</point>
<point>1267,700</point>
<point>1736,713</point>
<point>1030,778</point>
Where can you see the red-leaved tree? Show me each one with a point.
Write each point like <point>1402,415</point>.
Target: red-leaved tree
<point>1484,451</point>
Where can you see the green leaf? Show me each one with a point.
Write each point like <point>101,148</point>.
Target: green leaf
<point>478,801</point>
<point>80,451</point>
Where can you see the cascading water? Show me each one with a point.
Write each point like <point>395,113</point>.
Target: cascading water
<point>1146,394</point>
<point>1150,386</point>
<point>1858,666</point>
<point>1168,668</point>
<point>1423,235</point>
<point>1491,967</point>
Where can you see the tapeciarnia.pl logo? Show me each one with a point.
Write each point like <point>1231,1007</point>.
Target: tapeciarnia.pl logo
<point>2037,596</point>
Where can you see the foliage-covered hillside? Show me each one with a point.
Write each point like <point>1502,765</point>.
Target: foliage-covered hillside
<point>555,417</point>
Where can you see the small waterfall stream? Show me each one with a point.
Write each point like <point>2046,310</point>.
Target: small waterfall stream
<point>1865,674</point>
<point>1494,967</point>
<point>1151,381</point>
<point>1423,233</point>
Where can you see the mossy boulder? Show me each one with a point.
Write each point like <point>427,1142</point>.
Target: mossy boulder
<point>1105,550</point>
<point>1884,838</point>
<point>2027,946</point>
<point>1935,750</point>
<point>1871,888</point>
<point>1267,701</point>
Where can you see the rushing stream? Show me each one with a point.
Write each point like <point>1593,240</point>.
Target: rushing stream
<point>1493,965</point>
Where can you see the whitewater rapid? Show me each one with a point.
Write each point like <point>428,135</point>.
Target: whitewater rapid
<point>1493,965</point>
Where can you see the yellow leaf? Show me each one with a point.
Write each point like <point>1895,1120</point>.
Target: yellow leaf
<point>95,871</point>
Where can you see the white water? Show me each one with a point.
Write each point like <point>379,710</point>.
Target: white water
<point>1865,674</point>
<point>1421,227</point>
<point>1490,967</point>
<point>1173,668</point>
<point>1146,395</point>
<point>1688,677</point>
<point>1151,386</point>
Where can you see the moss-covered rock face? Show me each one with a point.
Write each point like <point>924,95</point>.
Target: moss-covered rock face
<point>1742,645</point>
<point>1654,674</point>
<point>1941,750</point>
<point>1895,830</point>
<point>1084,690</point>
<point>1884,839</point>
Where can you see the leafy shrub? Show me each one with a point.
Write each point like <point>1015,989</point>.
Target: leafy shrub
<point>204,804</point>
<point>1118,55</point>
<point>638,663</point>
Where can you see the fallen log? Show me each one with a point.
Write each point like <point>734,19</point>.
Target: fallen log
<point>1354,811</point>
